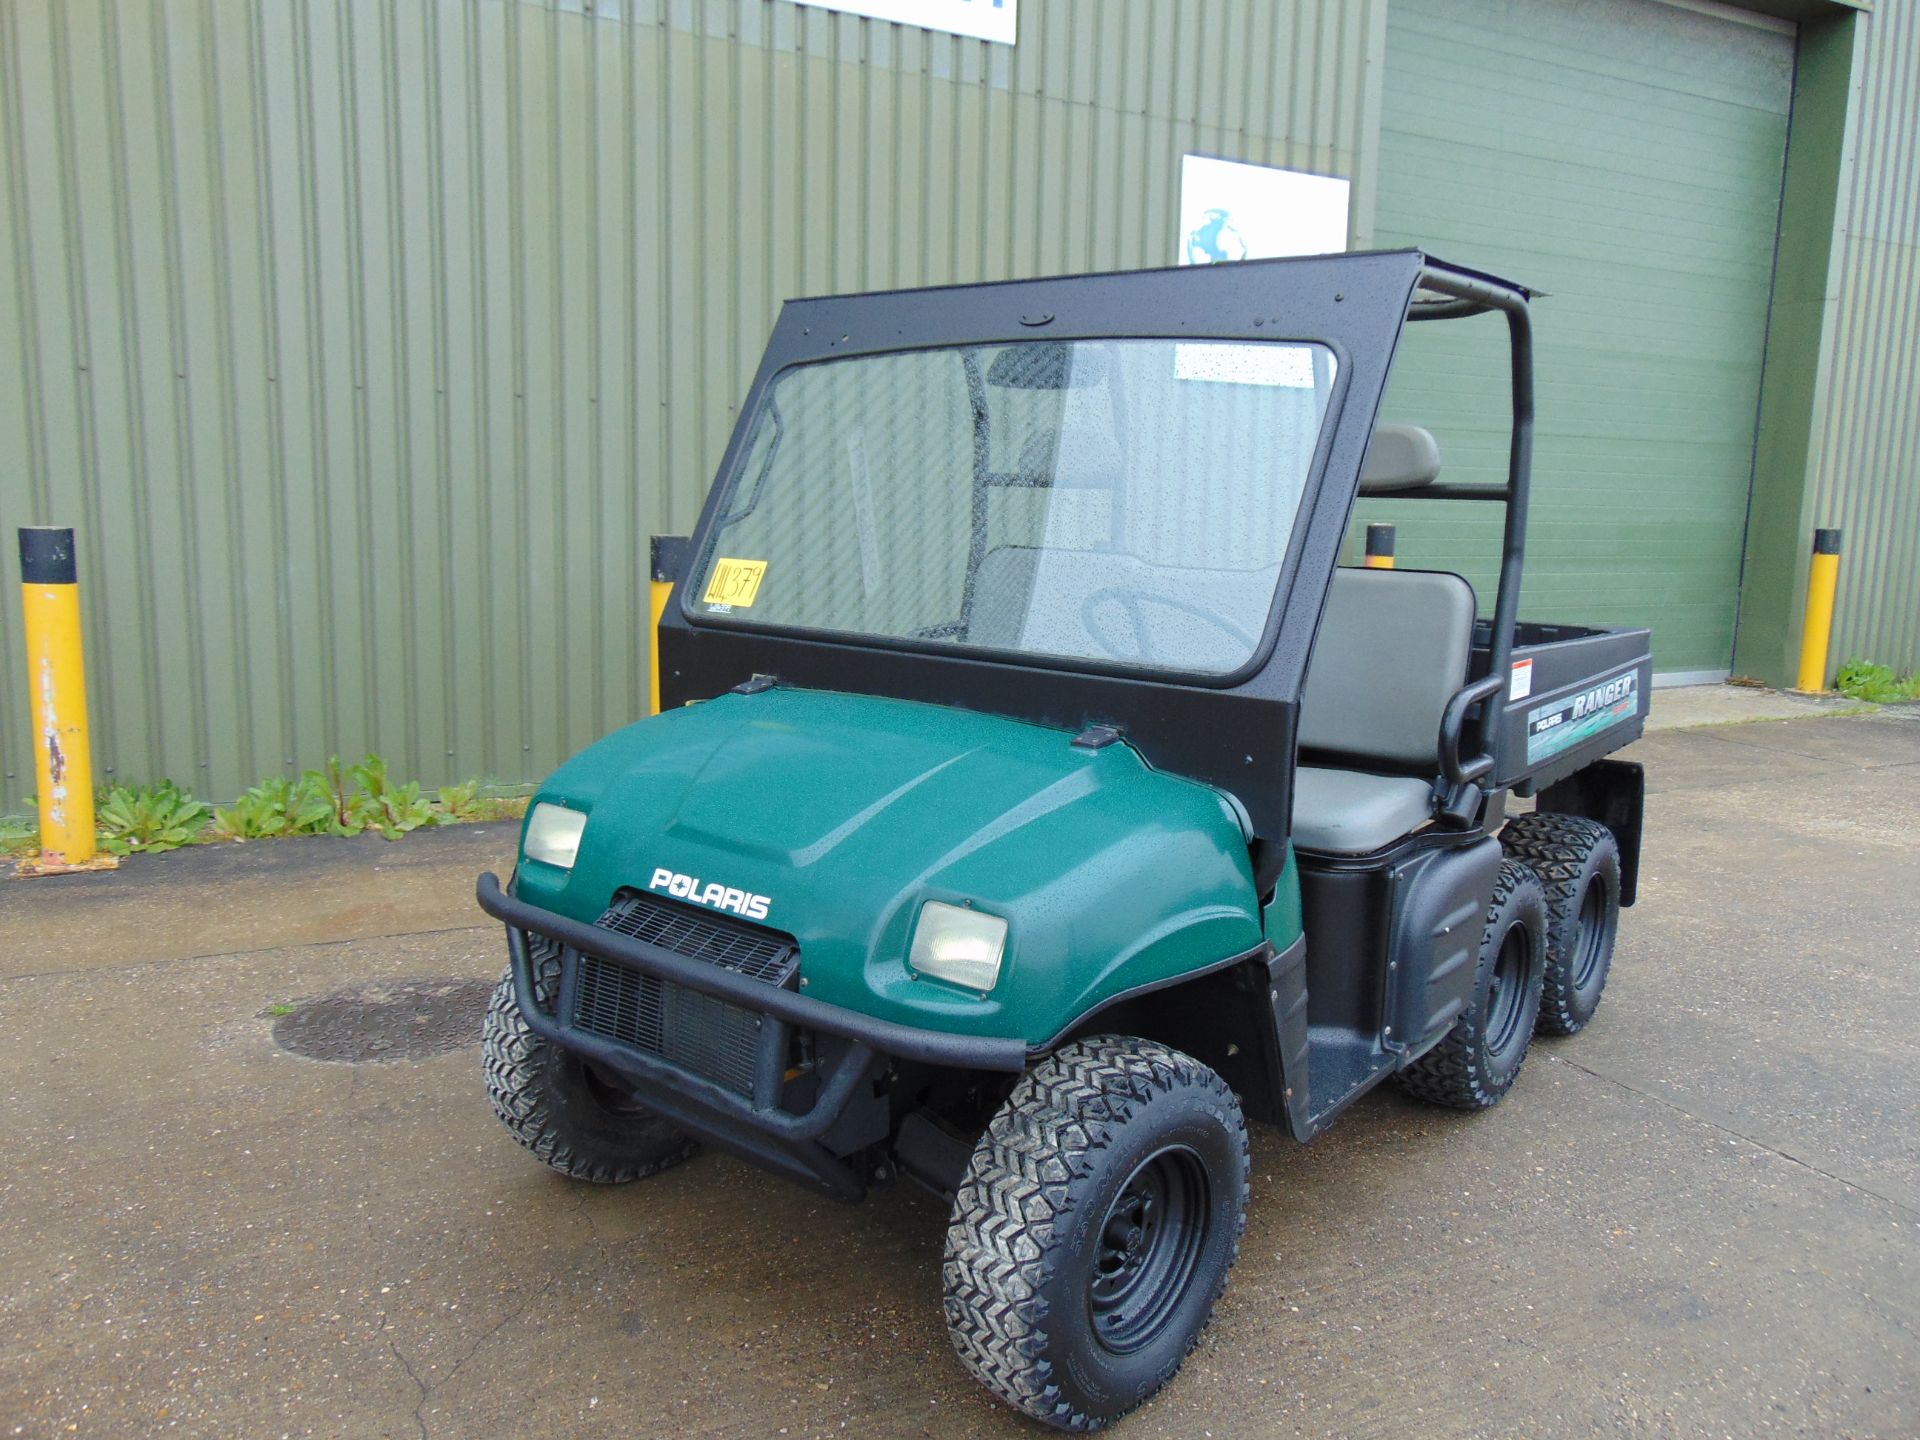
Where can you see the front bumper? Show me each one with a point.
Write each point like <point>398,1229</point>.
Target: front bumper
<point>760,1130</point>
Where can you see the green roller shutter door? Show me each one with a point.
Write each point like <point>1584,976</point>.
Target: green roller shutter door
<point>1627,158</point>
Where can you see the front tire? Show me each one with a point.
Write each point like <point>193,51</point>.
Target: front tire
<point>558,1106</point>
<point>1475,1065</point>
<point>1578,861</point>
<point>1094,1229</point>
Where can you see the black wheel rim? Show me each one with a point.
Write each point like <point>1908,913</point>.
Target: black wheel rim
<point>1147,1249</point>
<point>1592,942</point>
<point>1507,992</point>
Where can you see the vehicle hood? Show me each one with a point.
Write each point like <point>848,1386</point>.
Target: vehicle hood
<point>845,813</point>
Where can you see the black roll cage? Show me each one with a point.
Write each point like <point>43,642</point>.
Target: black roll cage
<point>1471,293</point>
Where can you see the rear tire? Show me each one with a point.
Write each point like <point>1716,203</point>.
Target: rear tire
<point>1578,862</point>
<point>558,1106</point>
<point>1475,1065</point>
<point>1094,1230</point>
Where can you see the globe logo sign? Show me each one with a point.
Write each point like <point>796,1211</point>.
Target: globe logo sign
<point>1215,240</point>
<point>1232,210</point>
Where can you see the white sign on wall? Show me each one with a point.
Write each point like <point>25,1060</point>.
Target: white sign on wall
<point>982,19</point>
<point>1232,211</point>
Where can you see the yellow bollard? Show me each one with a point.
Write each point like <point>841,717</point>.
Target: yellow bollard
<point>57,691</point>
<point>1816,634</point>
<point>1379,547</point>
<point>669,555</point>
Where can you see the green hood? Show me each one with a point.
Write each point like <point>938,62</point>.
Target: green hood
<point>847,812</point>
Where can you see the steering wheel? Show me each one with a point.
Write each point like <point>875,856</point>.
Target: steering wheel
<point>1130,601</point>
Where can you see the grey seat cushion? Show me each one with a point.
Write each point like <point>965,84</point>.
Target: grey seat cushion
<point>1349,812</point>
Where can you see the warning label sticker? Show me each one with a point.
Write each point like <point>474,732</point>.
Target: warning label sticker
<point>1566,722</point>
<point>734,582</point>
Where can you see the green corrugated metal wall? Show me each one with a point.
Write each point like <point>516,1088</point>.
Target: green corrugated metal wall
<point>1626,158</point>
<point>366,343</point>
<point>1866,475</point>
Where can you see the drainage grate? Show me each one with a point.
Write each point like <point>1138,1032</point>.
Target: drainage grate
<point>386,1020</point>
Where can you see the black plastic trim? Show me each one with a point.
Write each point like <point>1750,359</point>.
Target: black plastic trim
<point>1287,997</point>
<point>1096,737</point>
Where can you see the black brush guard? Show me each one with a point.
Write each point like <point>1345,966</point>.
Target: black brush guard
<point>758,1129</point>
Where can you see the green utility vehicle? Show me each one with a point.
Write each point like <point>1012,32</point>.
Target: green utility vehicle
<point>1035,796</point>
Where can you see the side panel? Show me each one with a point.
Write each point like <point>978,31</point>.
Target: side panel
<point>1392,943</point>
<point>1440,906</point>
<point>1347,917</point>
<point>1287,998</point>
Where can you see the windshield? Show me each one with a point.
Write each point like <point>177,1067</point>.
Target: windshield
<point>1122,501</point>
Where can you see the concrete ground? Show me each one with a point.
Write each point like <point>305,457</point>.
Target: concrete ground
<point>1701,1217</point>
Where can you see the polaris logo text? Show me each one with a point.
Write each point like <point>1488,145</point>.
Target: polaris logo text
<point>1602,696</point>
<point>714,897</point>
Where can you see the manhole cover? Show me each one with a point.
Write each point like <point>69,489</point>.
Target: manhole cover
<point>387,1020</point>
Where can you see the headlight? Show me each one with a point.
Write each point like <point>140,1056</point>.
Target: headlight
<point>958,945</point>
<point>553,834</point>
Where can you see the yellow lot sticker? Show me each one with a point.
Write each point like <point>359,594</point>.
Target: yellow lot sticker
<point>735,582</point>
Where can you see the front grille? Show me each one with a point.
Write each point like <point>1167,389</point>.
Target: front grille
<point>713,1039</point>
<point>730,944</point>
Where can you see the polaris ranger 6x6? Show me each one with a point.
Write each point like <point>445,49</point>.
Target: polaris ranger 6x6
<point>1035,797</point>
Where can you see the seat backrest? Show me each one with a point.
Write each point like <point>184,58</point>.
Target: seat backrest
<point>1392,650</point>
<point>1399,458</point>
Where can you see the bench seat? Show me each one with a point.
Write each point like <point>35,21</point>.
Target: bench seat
<point>1349,812</point>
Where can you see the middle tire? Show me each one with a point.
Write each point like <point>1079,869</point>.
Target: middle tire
<point>1578,862</point>
<point>1477,1061</point>
<point>1094,1229</point>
